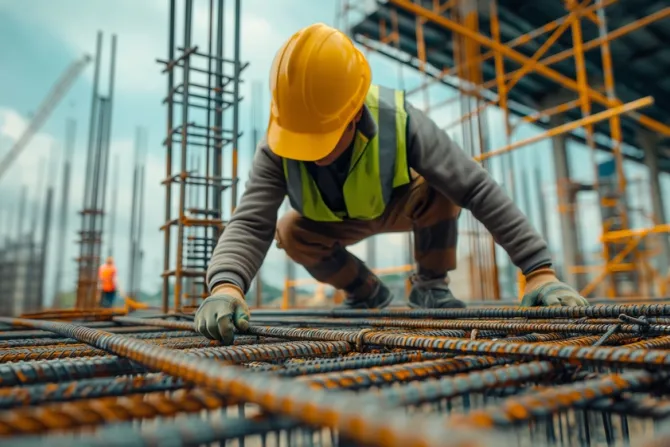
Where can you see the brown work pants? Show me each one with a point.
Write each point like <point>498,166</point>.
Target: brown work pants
<point>320,246</point>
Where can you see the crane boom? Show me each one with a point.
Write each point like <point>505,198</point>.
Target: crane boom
<point>50,102</point>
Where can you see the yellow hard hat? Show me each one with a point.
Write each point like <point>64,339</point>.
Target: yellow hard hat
<point>319,81</point>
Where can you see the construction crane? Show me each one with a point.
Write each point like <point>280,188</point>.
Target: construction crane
<point>50,102</point>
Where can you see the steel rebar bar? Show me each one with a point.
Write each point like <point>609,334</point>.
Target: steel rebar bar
<point>357,417</point>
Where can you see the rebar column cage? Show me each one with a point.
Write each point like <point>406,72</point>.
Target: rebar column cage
<point>502,53</point>
<point>95,186</point>
<point>21,276</point>
<point>202,120</point>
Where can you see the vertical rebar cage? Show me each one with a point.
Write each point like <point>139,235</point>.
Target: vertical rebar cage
<point>202,105</point>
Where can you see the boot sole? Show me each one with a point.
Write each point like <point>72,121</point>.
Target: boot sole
<point>382,305</point>
<point>461,305</point>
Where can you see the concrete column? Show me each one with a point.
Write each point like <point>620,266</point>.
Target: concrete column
<point>649,144</point>
<point>569,239</point>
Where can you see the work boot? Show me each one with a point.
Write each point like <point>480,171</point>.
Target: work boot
<point>432,294</point>
<point>379,299</point>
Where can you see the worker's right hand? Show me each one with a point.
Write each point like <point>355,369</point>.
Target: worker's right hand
<point>223,311</point>
<point>543,288</point>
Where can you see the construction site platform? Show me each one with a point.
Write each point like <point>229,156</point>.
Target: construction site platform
<point>480,376</point>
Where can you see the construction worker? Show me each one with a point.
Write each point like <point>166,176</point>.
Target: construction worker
<point>107,282</point>
<point>356,160</point>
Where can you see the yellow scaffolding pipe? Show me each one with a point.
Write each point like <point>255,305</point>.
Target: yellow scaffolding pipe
<point>522,59</point>
<point>572,125</point>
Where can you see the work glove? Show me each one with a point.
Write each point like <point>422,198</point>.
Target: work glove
<point>544,289</point>
<point>223,311</point>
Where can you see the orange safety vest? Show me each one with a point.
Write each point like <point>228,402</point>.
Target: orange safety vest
<point>107,277</point>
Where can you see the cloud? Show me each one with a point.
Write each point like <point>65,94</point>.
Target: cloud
<point>31,163</point>
<point>138,24</point>
<point>142,29</point>
<point>12,125</point>
<point>41,162</point>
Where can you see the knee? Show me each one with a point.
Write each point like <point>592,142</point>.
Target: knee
<point>442,206</point>
<point>287,234</point>
<point>301,239</point>
<point>431,206</point>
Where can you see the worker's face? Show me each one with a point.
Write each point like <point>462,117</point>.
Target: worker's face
<point>344,143</point>
<point>110,261</point>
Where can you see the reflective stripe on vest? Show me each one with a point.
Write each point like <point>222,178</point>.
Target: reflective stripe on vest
<point>377,165</point>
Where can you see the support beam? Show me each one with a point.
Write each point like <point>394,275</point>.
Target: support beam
<point>552,74</point>
<point>371,252</point>
<point>44,251</point>
<point>566,214</point>
<point>649,143</point>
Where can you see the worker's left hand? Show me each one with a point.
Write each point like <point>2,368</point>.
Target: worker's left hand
<point>544,289</point>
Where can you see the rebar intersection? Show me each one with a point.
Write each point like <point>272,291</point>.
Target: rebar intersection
<point>481,377</point>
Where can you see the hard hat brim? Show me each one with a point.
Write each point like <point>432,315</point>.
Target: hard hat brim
<point>302,146</point>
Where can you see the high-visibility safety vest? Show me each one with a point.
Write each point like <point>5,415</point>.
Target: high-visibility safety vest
<point>378,165</point>
<point>107,277</point>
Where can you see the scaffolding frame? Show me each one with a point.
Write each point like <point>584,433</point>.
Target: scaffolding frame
<point>208,86</point>
<point>461,19</point>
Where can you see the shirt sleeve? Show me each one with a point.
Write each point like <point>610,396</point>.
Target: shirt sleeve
<point>246,239</point>
<point>453,173</point>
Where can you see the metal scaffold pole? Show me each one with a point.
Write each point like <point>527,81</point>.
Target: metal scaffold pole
<point>61,250</point>
<point>113,209</point>
<point>256,120</point>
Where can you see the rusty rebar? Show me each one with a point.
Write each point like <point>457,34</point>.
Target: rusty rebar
<point>352,362</point>
<point>599,311</point>
<point>168,324</point>
<point>274,351</point>
<point>30,342</point>
<point>93,412</point>
<point>500,326</point>
<point>386,375</point>
<point>19,396</point>
<point>448,387</point>
<point>621,356</point>
<point>45,371</point>
<point>551,400</point>
<point>359,418</point>
<point>16,335</point>
<point>182,431</point>
<point>83,350</point>
<point>513,371</point>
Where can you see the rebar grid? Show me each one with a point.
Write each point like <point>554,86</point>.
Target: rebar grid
<point>487,377</point>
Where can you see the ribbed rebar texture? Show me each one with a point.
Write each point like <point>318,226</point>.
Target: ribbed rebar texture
<point>475,377</point>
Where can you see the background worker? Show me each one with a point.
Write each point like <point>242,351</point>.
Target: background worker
<point>107,283</point>
<point>355,161</point>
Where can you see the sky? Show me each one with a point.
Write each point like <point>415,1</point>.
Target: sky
<point>39,39</point>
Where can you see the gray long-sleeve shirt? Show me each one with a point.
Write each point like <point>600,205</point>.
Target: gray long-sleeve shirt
<point>431,153</point>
